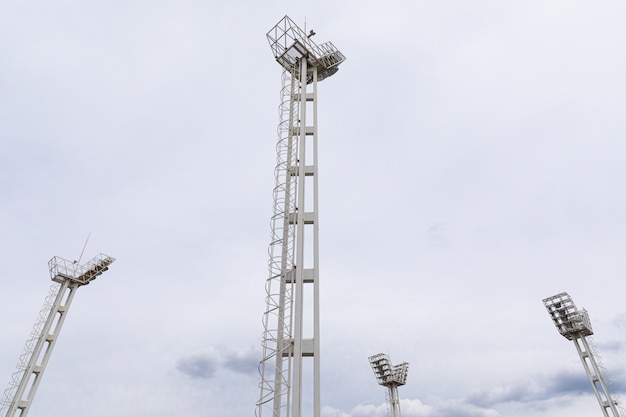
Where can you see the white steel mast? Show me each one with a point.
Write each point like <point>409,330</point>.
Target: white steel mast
<point>390,376</point>
<point>291,332</point>
<point>68,276</point>
<point>574,325</point>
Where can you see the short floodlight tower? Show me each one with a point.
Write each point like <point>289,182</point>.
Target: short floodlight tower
<point>574,325</point>
<point>290,366</point>
<point>390,376</point>
<point>67,277</point>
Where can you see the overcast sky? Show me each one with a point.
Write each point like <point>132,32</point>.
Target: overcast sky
<point>471,164</point>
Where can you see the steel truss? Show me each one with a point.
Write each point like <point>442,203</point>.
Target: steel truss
<point>291,332</point>
<point>574,325</point>
<point>68,276</point>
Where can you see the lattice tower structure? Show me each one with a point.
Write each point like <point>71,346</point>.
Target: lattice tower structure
<point>289,383</point>
<point>67,276</point>
<point>390,376</point>
<point>574,325</point>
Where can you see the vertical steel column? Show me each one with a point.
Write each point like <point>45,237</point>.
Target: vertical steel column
<point>306,274</point>
<point>394,401</point>
<point>595,377</point>
<point>299,296</point>
<point>315,274</point>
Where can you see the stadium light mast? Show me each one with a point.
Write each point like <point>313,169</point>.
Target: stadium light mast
<point>293,250</point>
<point>67,277</point>
<point>574,325</point>
<point>390,376</point>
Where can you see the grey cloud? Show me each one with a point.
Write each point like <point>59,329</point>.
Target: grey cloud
<point>463,409</point>
<point>244,362</point>
<point>207,364</point>
<point>575,383</point>
<point>535,392</point>
<point>198,366</point>
<point>567,383</point>
<point>518,393</point>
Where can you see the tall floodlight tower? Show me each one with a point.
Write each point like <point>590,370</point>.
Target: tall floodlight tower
<point>574,325</point>
<point>67,277</point>
<point>390,376</point>
<point>291,332</point>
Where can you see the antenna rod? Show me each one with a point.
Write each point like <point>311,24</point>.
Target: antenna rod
<point>83,251</point>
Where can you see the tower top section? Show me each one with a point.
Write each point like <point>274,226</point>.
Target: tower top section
<point>290,44</point>
<point>569,321</point>
<point>62,269</point>
<point>387,374</point>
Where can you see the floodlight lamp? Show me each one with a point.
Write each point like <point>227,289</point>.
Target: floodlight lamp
<point>569,321</point>
<point>381,365</point>
<point>400,373</point>
<point>290,45</point>
<point>386,373</point>
<point>63,269</point>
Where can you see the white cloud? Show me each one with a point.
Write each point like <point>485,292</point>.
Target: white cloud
<point>415,408</point>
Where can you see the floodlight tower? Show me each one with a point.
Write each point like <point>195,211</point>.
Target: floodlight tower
<point>390,376</point>
<point>67,277</point>
<point>574,325</point>
<point>293,250</point>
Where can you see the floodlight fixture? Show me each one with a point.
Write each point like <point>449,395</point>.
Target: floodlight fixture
<point>390,376</point>
<point>63,269</point>
<point>569,321</point>
<point>290,45</point>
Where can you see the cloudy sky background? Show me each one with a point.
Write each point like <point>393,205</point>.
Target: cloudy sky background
<point>471,164</point>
